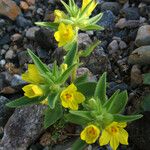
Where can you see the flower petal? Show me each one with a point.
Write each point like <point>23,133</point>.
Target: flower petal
<point>122,124</point>
<point>79,97</point>
<point>114,142</point>
<point>123,136</point>
<point>104,138</point>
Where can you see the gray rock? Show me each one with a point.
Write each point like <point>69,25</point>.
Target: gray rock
<point>5,39</point>
<point>2,23</point>
<point>112,6</point>
<point>45,38</point>
<point>30,33</point>
<point>130,13</point>
<point>9,54</point>
<point>123,23</point>
<point>2,63</point>
<point>143,36</point>
<point>122,45</point>
<point>6,47</point>
<point>5,112</point>
<point>17,81</point>
<point>23,57</point>
<point>107,20</point>
<point>140,56</point>
<point>136,76</point>
<point>42,53</point>
<point>23,128</point>
<point>97,62</point>
<point>40,11</point>
<point>113,47</point>
<point>146,1</point>
<point>16,37</point>
<point>84,40</point>
<point>23,22</point>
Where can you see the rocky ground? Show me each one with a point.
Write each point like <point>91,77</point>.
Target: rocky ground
<point>124,53</point>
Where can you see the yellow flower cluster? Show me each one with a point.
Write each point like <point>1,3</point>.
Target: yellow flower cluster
<point>33,76</point>
<point>66,33</point>
<point>113,134</point>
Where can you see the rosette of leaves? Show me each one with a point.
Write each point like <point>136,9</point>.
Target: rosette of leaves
<point>99,109</point>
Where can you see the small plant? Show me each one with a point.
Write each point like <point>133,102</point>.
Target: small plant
<point>76,99</point>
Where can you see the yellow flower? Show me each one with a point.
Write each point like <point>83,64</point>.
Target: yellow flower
<point>32,90</point>
<point>91,8</point>
<point>32,75</point>
<point>58,15</point>
<point>115,134</point>
<point>70,98</point>
<point>64,67</point>
<point>90,134</point>
<point>64,35</point>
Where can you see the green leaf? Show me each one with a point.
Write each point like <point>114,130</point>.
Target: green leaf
<point>39,64</point>
<point>92,27</point>
<point>83,114</point>
<point>119,103</point>
<point>66,74</point>
<point>90,49</point>
<point>123,118</point>
<point>50,25</point>
<point>79,145</point>
<point>52,99</point>
<point>146,103</point>
<point>146,78</point>
<point>67,7</point>
<point>76,119</point>
<point>110,100</point>
<point>81,79</point>
<point>95,19</point>
<point>71,55</point>
<point>100,90</point>
<point>55,70</point>
<point>52,115</point>
<point>87,88</point>
<point>23,101</point>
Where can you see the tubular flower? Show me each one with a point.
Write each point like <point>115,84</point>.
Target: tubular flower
<point>90,134</point>
<point>32,75</point>
<point>58,15</point>
<point>32,90</point>
<point>64,35</point>
<point>45,102</point>
<point>70,97</point>
<point>115,134</point>
<point>64,67</point>
<point>91,8</point>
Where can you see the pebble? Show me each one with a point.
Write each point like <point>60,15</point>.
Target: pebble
<point>2,63</point>
<point>9,54</point>
<point>40,11</point>
<point>5,46</point>
<point>123,23</point>
<point>84,40</point>
<point>45,38</point>
<point>5,39</point>
<point>30,2</point>
<point>130,13</point>
<point>122,45</point>
<point>16,37</point>
<point>146,1</point>
<point>24,5</point>
<point>23,127</point>
<point>23,58</point>
<point>113,47</point>
<point>140,56</point>
<point>136,76</point>
<point>23,22</point>
<point>42,53</point>
<point>112,6</point>
<point>5,112</point>
<point>30,33</point>
<point>143,36</point>
<point>107,20</point>
<point>9,9</point>
<point>2,23</point>
<point>17,81</point>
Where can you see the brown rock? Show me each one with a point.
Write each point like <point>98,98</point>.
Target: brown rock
<point>30,2</point>
<point>9,9</point>
<point>24,5</point>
